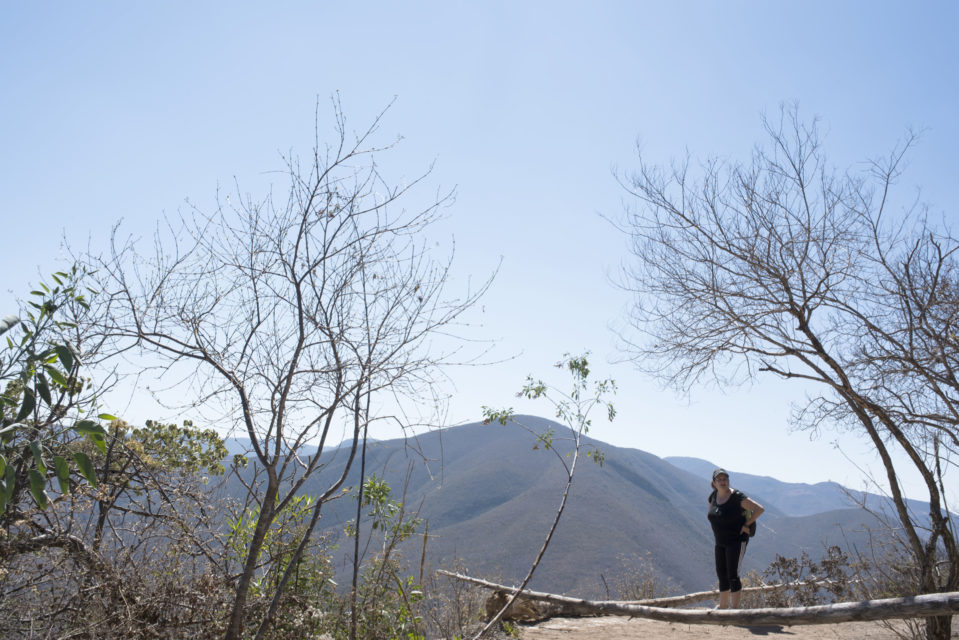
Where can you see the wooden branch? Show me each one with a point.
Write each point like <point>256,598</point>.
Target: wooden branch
<point>670,601</point>
<point>912,607</point>
<point>676,601</point>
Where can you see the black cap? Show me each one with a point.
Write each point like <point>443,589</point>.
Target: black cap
<point>719,471</point>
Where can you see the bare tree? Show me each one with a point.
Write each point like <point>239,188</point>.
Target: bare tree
<point>783,265</point>
<point>288,317</point>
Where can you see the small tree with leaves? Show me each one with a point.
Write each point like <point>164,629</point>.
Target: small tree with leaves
<point>96,516</point>
<point>573,408</point>
<point>45,403</point>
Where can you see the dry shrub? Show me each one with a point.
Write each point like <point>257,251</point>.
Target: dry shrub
<point>452,608</point>
<point>52,593</point>
<point>638,579</point>
<point>833,578</point>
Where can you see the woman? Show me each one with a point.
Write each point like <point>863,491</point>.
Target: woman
<point>727,515</point>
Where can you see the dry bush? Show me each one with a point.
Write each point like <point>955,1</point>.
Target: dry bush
<point>833,578</point>
<point>452,608</point>
<point>638,579</point>
<point>149,580</point>
<point>893,574</point>
<point>135,555</point>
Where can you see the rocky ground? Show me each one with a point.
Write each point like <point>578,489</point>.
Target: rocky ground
<point>619,628</point>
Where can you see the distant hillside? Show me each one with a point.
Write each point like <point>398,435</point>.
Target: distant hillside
<point>489,495</point>
<point>794,499</point>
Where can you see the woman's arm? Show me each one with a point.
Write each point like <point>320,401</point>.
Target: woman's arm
<point>757,510</point>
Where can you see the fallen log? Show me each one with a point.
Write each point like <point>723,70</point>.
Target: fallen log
<point>689,598</point>
<point>669,601</point>
<point>934,604</point>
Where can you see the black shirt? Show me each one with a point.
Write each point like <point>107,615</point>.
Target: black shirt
<point>727,519</point>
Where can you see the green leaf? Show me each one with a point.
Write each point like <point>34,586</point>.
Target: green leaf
<point>8,322</point>
<point>99,442</point>
<point>44,389</point>
<point>57,377</point>
<point>66,356</point>
<point>38,456</point>
<point>87,427</point>
<point>6,488</point>
<point>86,467</point>
<point>3,467</point>
<point>94,432</point>
<point>37,485</point>
<point>29,403</point>
<point>107,416</point>
<point>63,473</point>
<point>10,482</point>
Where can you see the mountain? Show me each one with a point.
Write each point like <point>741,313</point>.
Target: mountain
<point>796,499</point>
<point>490,492</point>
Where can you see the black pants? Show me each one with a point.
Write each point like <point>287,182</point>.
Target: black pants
<point>728,560</point>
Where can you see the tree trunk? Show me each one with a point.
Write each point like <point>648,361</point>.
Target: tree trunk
<point>667,601</point>
<point>932,606</point>
<point>235,626</point>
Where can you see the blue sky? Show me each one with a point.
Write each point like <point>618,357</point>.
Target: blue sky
<point>117,110</point>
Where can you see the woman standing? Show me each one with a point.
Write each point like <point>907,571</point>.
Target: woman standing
<point>731,527</point>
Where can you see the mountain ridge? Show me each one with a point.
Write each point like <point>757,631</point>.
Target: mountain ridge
<point>490,492</point>
<point>796,498</point>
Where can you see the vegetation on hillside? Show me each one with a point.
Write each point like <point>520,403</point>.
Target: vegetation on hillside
<point>120,531</point>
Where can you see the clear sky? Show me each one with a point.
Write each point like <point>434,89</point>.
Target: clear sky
<point>115,110</point>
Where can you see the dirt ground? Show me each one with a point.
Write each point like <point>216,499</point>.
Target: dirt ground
<point>619,628</point>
